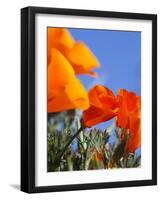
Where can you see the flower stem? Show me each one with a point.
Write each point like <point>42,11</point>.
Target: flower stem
<point>58,159</point>
<point>71,140</point>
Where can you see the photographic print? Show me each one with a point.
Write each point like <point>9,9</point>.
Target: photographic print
<point>94,99</point>
<point>88,99</point>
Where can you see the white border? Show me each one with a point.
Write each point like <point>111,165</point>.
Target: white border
<point>62,178</point>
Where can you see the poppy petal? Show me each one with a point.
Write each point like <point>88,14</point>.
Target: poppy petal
<point>103,106</point>
<point>82,59</point>
<point>73,95</point>
<point>65,91</point>
<point>95,115</point>
<point>59,38</point>
<point>60,71</point>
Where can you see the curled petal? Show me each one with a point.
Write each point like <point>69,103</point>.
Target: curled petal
<point>102,96</point>
<point>95,115</point>
<point>60,71</point>
<point>78,54</point>
<point>59,38</point>
<point>65,91</point>
<point>129,117</point>
<point>71,96</point>
<point>103,106</point>
<point>82,59</point>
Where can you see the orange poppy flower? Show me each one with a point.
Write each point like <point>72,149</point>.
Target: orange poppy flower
<point>129,117</point>
<point>65,91</point>
<point>77,53</point>
<point>103,106</point>
<point>126,107</point>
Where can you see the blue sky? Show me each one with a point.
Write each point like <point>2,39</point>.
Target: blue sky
<point>119,53</point>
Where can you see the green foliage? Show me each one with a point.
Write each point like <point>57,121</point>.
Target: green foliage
<point>88,148</point>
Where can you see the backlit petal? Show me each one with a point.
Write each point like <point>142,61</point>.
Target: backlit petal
<point>82,59</point>
<point>95,115</point>
<point>65,91</point>
<point>129,117</point>
<point>103,106</point>
<point>59,38</point>
<point>73,95</point>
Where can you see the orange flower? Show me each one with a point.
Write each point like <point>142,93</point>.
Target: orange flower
<point>129,117</point>
<point>126,107</point>
<point>77,53</point>
<point>103,106</point>
<point>65,91</point>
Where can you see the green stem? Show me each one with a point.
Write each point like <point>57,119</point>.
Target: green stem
<point>71,140</point>
<point>81,139</point>
<point>58,159</point>
<point>86,161</point>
